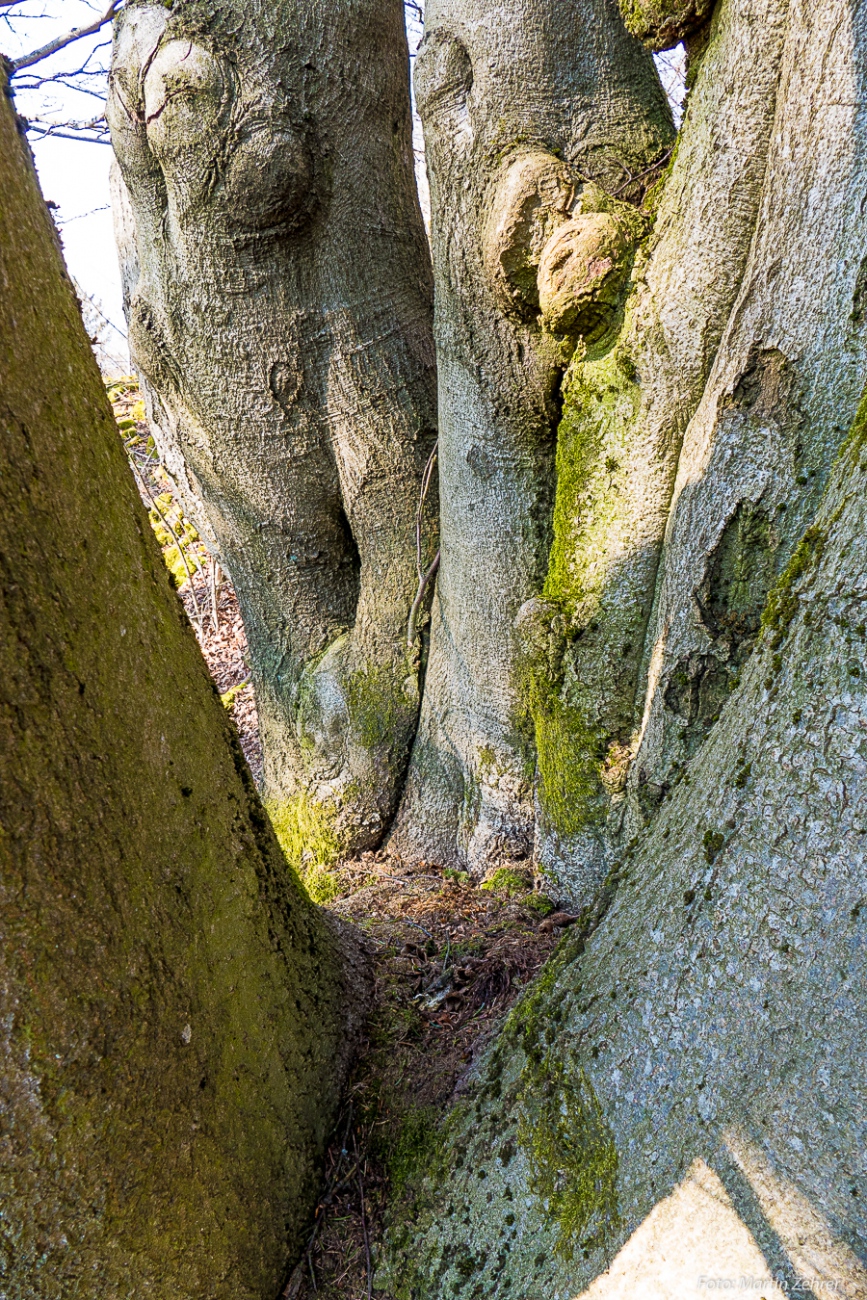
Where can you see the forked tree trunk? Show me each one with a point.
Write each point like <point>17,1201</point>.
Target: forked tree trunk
<point>176,1015</point>
<point>281,315</point>
<point>678,1106</point>
<point>538,116</point>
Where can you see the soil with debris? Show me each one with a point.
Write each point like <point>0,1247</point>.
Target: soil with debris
<point>450,957</point>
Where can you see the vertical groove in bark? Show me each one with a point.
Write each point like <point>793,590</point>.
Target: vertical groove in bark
<point>532,112</point>
<point>176,1016</point>
<point>282,316</point>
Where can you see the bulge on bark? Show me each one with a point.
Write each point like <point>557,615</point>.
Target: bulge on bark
<point>552,251</point>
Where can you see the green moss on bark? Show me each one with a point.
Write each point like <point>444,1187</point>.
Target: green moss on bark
<point>571,1151</point>
<point>578,740</point>
<point>307,833</point>
<point>176,1014</point>
<point>661,24</point>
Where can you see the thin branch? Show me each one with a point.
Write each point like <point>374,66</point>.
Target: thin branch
<point>66,130</point>
<point>652,168</point>
<point>419,514</point>
<point>416,604</point>
<point>79,216</point>
<point>61,42</point>
<point>69,85</point>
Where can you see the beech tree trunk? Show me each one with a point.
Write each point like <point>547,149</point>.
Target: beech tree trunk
<point>678,1105</point>
<point>682,1094</point>
<point>280,312</point>
<point>544,123</point>
<point>176,1015</point>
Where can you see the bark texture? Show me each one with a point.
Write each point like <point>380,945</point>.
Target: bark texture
<point>536,116</point>
<point>679,1103</point>
<point>280,311</point>
<point>176,1015</point>
<point>626,404</point>
<point>789,372</point>
<point>682,1094</point>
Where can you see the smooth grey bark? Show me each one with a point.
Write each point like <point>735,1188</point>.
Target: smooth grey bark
<point>678,1105</point>
<point>535,115</point>
<point>281,316</point>
<point>176,1015</point>
<point>682,1094</point>
<point>788,376</point>
<point>627,402</point>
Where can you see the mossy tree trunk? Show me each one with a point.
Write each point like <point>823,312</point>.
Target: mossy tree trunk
<point>678,1105</point>
<point>787,377</point>
<point>687,1081</point>
<point>537,117</point>
<point>176,1014</point>
<point>571,677</point>
<point>280,311</point>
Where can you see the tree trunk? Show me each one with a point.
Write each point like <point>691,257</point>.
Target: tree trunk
<point>789,374</point>
<point>176,1015</point>
<point>282,317</point>
<point>679,1104</point>
<point>689,1080</point>
<point>543,123</point>
<point>627,402</point>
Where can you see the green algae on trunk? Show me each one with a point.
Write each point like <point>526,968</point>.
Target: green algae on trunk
<point>177,1016</point>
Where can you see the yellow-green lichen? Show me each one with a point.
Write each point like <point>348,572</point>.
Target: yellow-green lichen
<point>571,1151</point>
<point>601,397</point>
<point>378,712</point>
<point>307,834</point>
<point>227,699</point>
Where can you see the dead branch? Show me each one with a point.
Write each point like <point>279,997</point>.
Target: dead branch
<point>61,42</point>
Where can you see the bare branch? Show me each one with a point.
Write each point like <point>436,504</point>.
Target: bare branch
<point>94,132</point>
<point>60,42</point>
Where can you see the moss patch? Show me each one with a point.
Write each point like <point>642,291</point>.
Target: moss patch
<point>784,598</point>
<point>571,1151</point>
<point>377,709</point>
<point>412,1149</point>
<point>309,839</point>
<point>570,755</point>
<point>507,881</point>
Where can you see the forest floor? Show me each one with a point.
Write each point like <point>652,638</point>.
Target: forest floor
<point>450,959</point>
<point>450,956</point>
